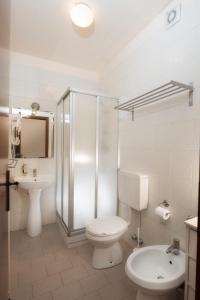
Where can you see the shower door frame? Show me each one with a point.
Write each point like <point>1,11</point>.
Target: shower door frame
<point>62,154</point>
<point>197,293</point>
<point>71,92</point>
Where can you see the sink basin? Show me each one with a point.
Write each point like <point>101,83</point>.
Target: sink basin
<point>155,272</point>
<point>34,185</point>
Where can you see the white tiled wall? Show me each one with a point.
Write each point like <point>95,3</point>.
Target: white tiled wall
<point>33,79</point>
<point>163,141</point>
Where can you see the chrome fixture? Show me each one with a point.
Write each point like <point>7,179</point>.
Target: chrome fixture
<point>134,237</point>
<point>34,172</point>
<point>174,248</point>
<point>167,90</point>
<point>24,169</point>
<point>165,203</point>
<point>35,107</point>
<point>12,163</point>
<point>16,129</point>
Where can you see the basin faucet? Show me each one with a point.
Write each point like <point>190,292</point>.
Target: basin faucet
<point>174,248</point>
<point>34,172</point>
<point>24,169</point>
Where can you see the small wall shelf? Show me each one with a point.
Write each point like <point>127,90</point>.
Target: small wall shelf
<point>162,92</point>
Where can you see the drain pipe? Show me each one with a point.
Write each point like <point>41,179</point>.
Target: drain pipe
<point>136,237</point>
<point>138,231</point>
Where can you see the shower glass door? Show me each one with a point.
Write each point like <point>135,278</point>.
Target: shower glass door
<point>84,158</point>
<point>107,157</point>
<point>59,155</point>
<point>66,163</point>
<point>87,159</point>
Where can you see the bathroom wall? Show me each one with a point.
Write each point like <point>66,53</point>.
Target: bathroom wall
<point>163,140</point>
<point>34,79</point>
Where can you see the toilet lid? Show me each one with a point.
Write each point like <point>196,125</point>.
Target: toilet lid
<point>106,226</point>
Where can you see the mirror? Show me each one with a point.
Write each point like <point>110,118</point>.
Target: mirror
<point>34,137</point>
<point>31,135</point>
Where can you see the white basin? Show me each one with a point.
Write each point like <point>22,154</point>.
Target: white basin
<point>34,185</point>
<point>156,273</point>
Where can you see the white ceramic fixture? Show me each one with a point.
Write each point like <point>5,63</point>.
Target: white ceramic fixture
<point>156,273</point>
<point>104,233</point>
<point>34,185</point>
<point>133,190</point>
<point>82,15</point>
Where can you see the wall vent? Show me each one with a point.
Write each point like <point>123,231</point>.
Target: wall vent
<point>173,15</point>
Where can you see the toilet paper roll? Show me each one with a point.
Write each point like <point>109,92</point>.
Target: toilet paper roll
<point>163,213</point>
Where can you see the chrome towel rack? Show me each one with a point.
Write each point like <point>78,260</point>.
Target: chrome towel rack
<point>162,92</point>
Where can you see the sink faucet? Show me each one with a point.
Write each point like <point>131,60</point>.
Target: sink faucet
<point>34,172</point>
<point>24,169</point>
<point>174,248</point>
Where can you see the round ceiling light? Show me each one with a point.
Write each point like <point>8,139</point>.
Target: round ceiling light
<point>82,15</point>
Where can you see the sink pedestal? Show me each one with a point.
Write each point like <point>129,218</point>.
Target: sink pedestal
<point>34,186</point>
<point>34,224</point>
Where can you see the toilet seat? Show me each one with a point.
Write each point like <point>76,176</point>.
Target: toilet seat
<point>107,226</point>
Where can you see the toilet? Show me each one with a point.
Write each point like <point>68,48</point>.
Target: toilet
<point>104,234</point>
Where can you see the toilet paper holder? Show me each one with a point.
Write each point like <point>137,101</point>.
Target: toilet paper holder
<point>165,203</point>
<point>162,210</point>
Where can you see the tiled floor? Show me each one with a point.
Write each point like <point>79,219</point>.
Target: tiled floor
<point>42,268</point>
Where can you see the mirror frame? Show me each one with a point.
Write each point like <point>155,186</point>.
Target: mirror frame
<point>4,114</point>
<point>46,132</point>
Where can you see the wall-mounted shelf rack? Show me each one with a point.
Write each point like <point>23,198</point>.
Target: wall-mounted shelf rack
<point>163,92</point>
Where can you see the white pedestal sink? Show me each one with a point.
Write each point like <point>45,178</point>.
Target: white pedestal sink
<point>34,185</point>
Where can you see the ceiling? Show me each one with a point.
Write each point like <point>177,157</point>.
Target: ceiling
<point>42,28</point>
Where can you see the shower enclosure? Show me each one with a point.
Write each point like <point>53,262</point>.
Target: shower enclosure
<point>87,158</point>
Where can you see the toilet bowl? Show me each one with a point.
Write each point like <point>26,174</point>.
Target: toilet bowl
<point>104,234</point>
<point>156,273</point>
